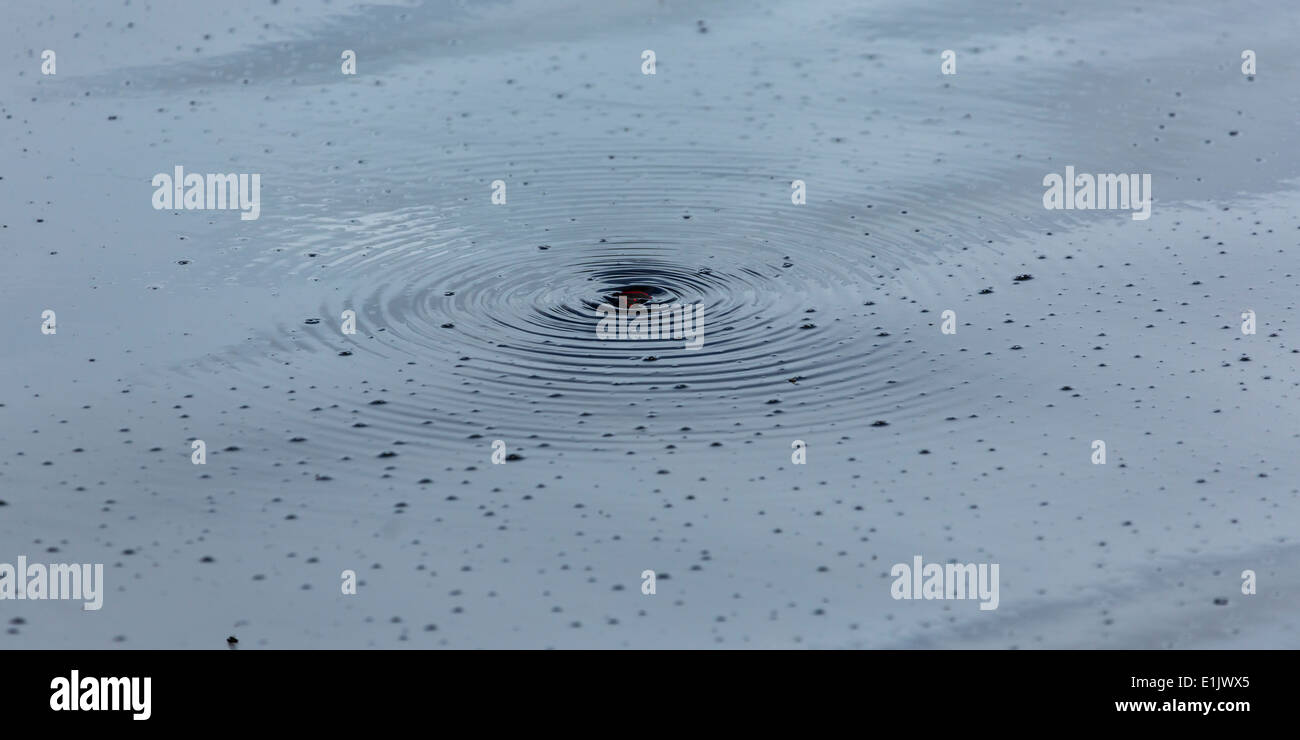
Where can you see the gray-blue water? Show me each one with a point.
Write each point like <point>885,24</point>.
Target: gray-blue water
<point>372,452</point>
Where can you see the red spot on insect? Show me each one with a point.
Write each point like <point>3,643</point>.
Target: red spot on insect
<point>634,295</point>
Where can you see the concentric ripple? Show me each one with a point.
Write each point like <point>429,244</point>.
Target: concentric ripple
<point>507,330</point>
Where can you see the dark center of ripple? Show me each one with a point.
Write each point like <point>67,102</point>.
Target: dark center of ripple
<point>632,295</point>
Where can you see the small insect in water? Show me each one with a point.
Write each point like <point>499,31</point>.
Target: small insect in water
<point>636,295</point>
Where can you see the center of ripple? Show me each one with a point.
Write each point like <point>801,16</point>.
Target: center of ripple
<point>633,295</point>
